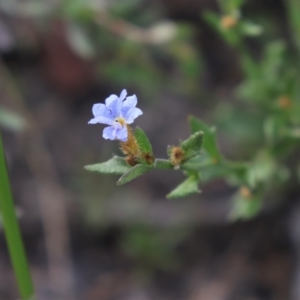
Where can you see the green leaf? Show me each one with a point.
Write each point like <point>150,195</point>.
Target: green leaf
<point>209,142</point>
<point>133,173</point>
<point>163,164</point>
<point>214,171</point>
<point>142,140</point>
<point>228,6</point>
<point>192,145</point>
<point>116,165</point>
<point>197,163</point>
<point>189,186</point>
<point>273,128</point>
<point>293,9</point>
<point>261,170</point>
<point>237,3</point>
<point>12,232</point>
<point>215,21</point>
<point>250,29</point>
<point>246,207</point>
<point>80,10</point>
<point>273,63</point>
<point>212,19</point>
<point>238,173</point>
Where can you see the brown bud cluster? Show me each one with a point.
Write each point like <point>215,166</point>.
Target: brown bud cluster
<point>177,155</point>
<point>284,102</point>
<point>245,192</point>
<point>227,22</point>
<point>130,147</point>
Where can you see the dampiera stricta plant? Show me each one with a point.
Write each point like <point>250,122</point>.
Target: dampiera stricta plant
<point>119,113</point>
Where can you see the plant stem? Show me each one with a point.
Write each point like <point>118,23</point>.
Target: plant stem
<point>12,232</point>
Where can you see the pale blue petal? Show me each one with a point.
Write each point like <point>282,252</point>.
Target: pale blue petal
<point>132,114</point>
<point>98,109</point>
<point>110,133</point>
<point>122,134</point>
<point>101,120</point>
<point>102,114</point>
<point>110,99</point>
<point>130,101</point>
<point>123,95</point>
<point>114,104</point>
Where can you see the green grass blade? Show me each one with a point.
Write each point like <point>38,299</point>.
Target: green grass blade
<point>12,233</point>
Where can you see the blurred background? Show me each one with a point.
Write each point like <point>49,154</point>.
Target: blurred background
<point>85,237</point>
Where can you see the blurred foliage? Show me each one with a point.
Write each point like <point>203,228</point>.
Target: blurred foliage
<point>166,56</point>
<point>270,93</point>
<point>269,112</point>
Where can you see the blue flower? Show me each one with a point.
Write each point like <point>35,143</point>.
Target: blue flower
<point>117,112</point>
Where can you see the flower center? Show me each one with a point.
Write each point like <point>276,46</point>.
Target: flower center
<point>120,121</point>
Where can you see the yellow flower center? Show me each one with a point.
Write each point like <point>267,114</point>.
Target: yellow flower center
<point>121,121</point>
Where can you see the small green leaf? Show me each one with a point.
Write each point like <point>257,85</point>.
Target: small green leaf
<point>273,128</point>
<point>209,141</point>
<point>116,165</point>
<point>250,29</point>
<point>239,173</point>
<point>163,164</point>
<point>293,9</point>
<point>192,145</point>
<point>229,6</point>
<point>261,170</point>
<point>79,10</point>
<point>189,186</point>
<point>212,19</point>
<point>142,140</point>
<point>237,3</point>
<point>246,208</point>
<point>214,171</point>
<point>197,163</point>
<point>133,173</point>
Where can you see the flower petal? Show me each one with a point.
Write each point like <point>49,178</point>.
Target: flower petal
<point>132,114</point>
<point>101,120</point>
<point>123,95</point>
<point>113,103</point>
<point>110,133</point>
<point>102,114</point>
<point>122,134</point>
<point>98,109</point>
<point>110,99</point>
<point>130,101</point>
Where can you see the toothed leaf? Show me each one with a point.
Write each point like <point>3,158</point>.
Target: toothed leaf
<point>142,140</point>
<point>209,141</point>
<point>133,173</point>
<point>116,165</point>
<point>187,187</point>
<point>163,164</point>
<point>192,145</point>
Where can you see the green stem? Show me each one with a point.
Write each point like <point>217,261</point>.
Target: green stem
<point>12,232</point>
<point>293,9</point>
